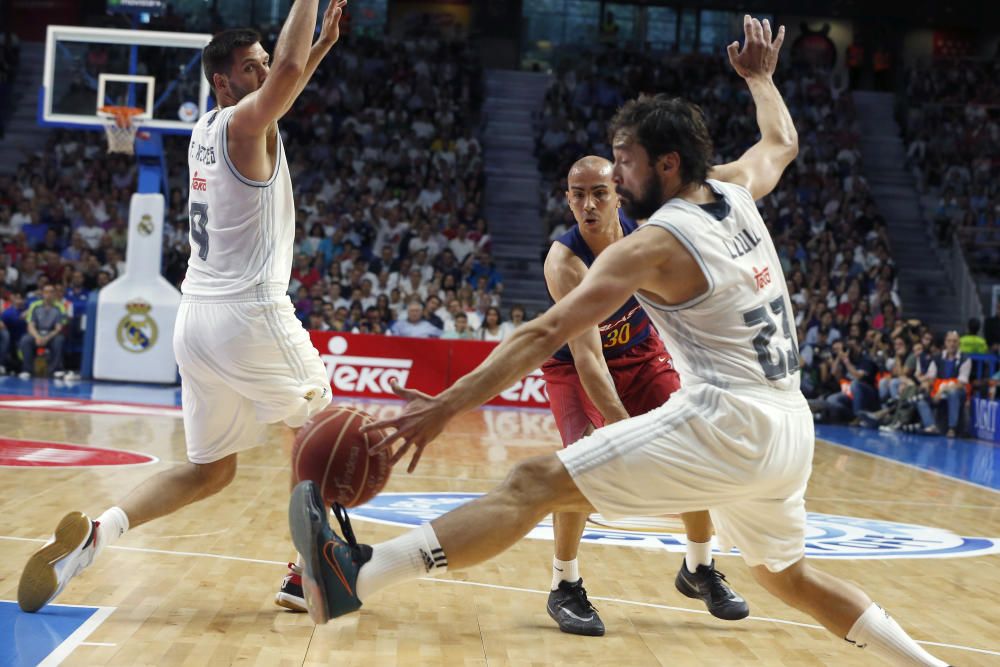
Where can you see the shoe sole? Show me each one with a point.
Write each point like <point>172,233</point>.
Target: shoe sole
<point>291,603</point>
<point>307,518</point>
<point>597,632</point>
<point>39,582</point>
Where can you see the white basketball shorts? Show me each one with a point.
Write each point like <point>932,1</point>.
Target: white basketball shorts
<point>745,457</point>
<point>243,364</point>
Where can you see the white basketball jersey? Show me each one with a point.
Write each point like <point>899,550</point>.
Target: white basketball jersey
<point>741,331</point>
<point>242,231</point>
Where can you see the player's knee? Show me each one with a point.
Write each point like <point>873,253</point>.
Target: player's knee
<point>788,584</point>
<point>531,482</point>
<point>217,475</point>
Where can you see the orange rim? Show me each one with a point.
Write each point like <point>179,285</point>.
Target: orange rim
<point>122,115</point>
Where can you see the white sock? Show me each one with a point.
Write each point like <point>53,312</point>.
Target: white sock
<point>111,525</point>
<point>877,632</point>
<point>698,553</point>
<point>413,554</point>
<point>564,570</point>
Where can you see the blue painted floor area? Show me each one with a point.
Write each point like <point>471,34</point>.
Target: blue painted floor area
<point>27,639</point>
<point>112,392</point>
<point>975,461</point>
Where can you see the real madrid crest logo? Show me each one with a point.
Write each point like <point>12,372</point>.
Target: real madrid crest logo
<point>137,331</point>
<point>145,225</point>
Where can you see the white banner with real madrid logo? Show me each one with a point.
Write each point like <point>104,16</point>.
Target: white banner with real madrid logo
<point>136,311</point>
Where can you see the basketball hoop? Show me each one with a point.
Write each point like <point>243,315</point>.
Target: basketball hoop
<point>120,129</point>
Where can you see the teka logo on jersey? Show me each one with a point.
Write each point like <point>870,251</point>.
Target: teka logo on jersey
<point>198,183</point>
<point>360,374</point>
<point>827,535</point>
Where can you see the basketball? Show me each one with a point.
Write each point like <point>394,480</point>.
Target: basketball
<point>330,450</point>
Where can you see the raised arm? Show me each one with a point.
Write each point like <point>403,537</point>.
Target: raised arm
<point>563,273</point>
<point>256,112</point>
<point>328,36</point>
<point>760,168</point>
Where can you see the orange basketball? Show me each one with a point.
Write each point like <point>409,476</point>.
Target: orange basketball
<point>330,451</point>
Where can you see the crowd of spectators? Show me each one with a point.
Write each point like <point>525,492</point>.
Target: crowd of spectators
<point>860,356</point>
<point>388,176</point>
<point>951,120</point>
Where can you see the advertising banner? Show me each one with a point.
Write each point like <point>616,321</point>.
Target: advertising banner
<point>526,392</point>
<point>365,365</point>
<point>986,419</point>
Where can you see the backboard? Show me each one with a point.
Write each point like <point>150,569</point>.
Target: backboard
<point>87,68</point>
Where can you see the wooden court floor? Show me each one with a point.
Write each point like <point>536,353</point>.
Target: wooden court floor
<point>196,588</point>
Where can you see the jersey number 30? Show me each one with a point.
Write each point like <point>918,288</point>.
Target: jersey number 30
<point>199,227</point>
<point>787,360</point>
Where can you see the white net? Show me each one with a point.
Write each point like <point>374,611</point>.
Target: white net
<point>120,139</point>
<point>120,129</point>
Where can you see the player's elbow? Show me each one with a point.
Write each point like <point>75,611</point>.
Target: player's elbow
<point>790,143</point>
<point>784,147</point>
<point>793,146</point>
<point>548,338</point>
<point>289,69</point>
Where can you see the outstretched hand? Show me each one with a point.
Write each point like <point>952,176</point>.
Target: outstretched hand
<point>330,31</point>
<point>759,56</point>
<point>423,418</point>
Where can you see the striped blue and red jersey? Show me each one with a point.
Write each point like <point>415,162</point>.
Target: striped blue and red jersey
<point>629,325</point>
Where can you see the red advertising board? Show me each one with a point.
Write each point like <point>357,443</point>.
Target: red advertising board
<point>365,365</point>
<point>526,392</point>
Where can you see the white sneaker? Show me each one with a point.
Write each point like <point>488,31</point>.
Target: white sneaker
<point>24,375</point>
<point>58,375</point>
<point>49,569</point>
<point>290,594</point>
<point>71,376</point>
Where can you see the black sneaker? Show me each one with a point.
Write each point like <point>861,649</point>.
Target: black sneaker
<point>709,585</point>
<point>569,607</point>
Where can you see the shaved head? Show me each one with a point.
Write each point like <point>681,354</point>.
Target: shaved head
<point>591,164</point>
<point>591,194</point>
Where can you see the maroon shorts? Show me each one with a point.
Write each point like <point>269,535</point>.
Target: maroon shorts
<point>644,376</point>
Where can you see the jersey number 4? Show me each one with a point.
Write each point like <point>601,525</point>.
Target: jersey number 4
<point>787,360</point>
<point>199,227</point>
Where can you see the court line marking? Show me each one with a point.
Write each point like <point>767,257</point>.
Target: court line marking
<point>917,503</point>
<point>161,551</point>
<point>68,645</point>
<point>88,447</point>
<point>287,466</point>
<point>173,537</point>
<point>635,603</point>
<point>907,465</point>
<point>653,605</point>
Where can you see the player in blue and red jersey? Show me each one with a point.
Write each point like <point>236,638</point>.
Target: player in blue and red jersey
<point>616,370</point>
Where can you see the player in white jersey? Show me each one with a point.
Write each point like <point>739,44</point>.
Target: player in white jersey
<point>737,438</point>
<point>245,360</point>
